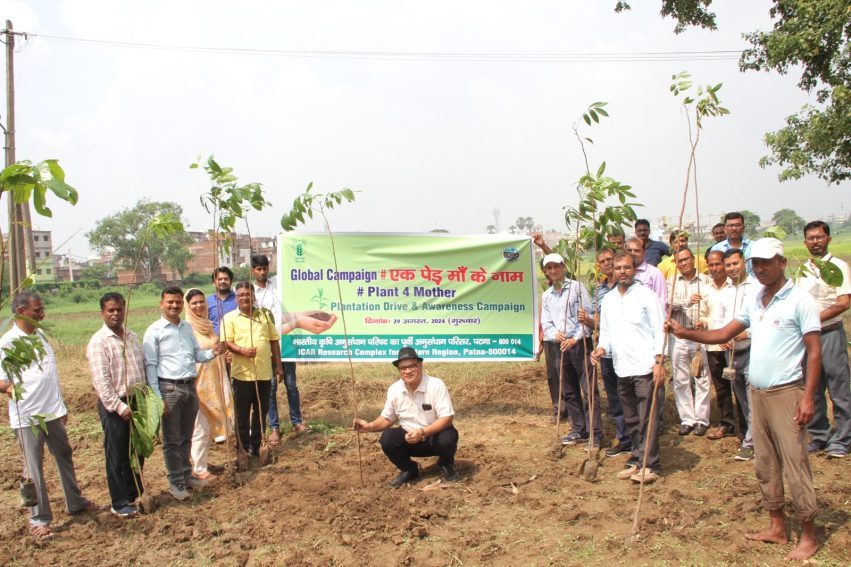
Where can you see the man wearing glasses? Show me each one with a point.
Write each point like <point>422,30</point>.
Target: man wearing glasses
<point>420,404</point>
<point>831,302</point>
<point>734,228</point>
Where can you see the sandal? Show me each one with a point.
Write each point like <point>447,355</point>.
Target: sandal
<point>41,533</point>
<point>274,437</point>
<point>88,507</point>
<point>206,475</point>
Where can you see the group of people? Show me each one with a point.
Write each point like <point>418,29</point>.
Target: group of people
<point>774,345</point>
<point>213,369</point>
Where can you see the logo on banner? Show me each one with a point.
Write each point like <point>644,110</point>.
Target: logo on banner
<point>511,254</point>
<point>298,251</point>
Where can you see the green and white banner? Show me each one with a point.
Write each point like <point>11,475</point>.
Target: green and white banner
<point>452,298</point>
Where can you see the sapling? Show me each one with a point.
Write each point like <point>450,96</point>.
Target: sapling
<point>306,204</point>
<point>23,181</point>
<point>227,202</point>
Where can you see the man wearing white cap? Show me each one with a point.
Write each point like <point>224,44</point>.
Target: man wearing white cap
<point>563,333</point>
<point>784,325</point>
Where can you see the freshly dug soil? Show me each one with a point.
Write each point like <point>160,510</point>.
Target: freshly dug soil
<point>515,504</point>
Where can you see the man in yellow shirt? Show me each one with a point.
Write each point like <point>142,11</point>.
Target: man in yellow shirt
<point>252,338</point>
<point>679,241</point>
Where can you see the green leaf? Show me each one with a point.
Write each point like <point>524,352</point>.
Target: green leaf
<point>601,169</point>
<point>586,119</point>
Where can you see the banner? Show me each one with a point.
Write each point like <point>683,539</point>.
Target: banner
<point>452,298</point>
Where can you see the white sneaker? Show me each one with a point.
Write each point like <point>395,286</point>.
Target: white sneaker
<point>179,493</point>
<point>220,439</point>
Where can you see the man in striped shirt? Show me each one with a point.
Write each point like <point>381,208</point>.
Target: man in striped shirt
<point>690,308</point>
<point>117,364</point>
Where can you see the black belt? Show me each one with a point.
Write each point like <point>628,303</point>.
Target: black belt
<point>834,327</point>
<point>178,380</point>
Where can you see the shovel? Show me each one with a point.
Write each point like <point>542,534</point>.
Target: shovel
<point>588,468</point>
<point>147,503</point>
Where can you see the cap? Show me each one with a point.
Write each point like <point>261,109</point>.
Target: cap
<point>766,248</point>
<point>553,258</point>
<point>407,353</point>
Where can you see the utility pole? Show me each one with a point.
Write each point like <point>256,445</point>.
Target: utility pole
<point>20,243</point>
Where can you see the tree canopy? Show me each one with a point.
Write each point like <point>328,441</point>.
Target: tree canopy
<point>123,233</point>
<point>810,35</point>
<point>788,220</point>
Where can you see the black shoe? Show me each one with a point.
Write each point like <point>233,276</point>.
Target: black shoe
<point>621,447</point>
<point>700,429</point>
<point>405,476</point>
<point>449,473</point>
<point>685,429</point>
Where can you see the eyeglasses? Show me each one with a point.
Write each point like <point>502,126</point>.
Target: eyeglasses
<point>816,238</point>
<point>406,368</point>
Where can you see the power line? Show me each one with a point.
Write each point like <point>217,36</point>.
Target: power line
<point>603,57</point>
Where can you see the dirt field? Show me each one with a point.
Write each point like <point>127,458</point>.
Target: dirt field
<point>310,508</point>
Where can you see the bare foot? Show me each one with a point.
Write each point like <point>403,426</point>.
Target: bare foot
<point>805,549</point>
<point>768,536</point>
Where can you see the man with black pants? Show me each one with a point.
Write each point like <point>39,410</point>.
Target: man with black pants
<point>631,329</point>
<point>421,405</point>
<point>252,338</point>
<point>567,343</point>
<point>117,364</point>
<point>171,351</point>
<point>605,259</point>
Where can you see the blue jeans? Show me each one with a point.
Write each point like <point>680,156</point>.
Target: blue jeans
<point>293,398</point>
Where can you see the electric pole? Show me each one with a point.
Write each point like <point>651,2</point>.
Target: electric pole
<point>20,244</point>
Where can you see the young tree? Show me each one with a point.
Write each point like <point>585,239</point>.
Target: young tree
<point>123,233</point>
<point>815,37</point>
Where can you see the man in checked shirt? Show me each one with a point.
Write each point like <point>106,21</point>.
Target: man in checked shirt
<point>690,308</point>
<point>109,360</point>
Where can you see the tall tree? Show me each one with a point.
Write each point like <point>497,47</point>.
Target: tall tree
<point>123,231</point>
<point>813,36</point>
<point>788,220</point>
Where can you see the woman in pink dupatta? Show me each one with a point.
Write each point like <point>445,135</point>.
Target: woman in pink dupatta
<point>214,411</point>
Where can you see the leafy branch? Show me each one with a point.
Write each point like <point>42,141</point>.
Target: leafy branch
<point>227,201</point>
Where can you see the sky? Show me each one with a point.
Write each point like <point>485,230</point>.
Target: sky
<point>428,143</point>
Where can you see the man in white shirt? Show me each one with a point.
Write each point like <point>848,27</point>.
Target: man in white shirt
<point>631,329</point>
<point>690,308</point>
<point>420,404</point>
<point>266,295</point>
<point>733,301</point>
<point>42,397</point>
<point>831,302</point>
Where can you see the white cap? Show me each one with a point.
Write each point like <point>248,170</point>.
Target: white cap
<point>766,248</point>
<point>553,259</point>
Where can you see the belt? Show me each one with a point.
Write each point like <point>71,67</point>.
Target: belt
<point>178,380</point>
<point>832,327</point>
<point>796,384</point>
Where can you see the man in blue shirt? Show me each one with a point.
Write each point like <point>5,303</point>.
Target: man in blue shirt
<point>734,228</point>
<point>223,301</point>
<point>568,347</point>
<point>653,249</point>
<point>171,352</point>
<point>785,326</point>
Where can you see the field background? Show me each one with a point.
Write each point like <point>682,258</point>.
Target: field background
<point>516,504</point>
